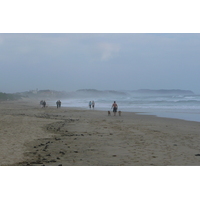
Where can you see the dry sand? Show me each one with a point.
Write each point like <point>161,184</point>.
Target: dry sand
<point>31,135</point>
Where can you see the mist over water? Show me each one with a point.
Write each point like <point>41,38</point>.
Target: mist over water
<point>178,106</point>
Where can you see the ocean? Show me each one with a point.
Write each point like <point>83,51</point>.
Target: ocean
<point>186,107</point>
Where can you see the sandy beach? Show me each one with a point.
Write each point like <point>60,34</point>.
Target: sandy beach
<point>35,136</point>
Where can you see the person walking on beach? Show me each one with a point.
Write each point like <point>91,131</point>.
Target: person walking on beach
<point>41,103</point>
<point>93,104</point>
<point>44,104</point>
<point>58,103</point>
<point>115,107</point>
<point>90,104</point>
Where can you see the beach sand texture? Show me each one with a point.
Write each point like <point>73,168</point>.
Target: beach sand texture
<point>31,135</point>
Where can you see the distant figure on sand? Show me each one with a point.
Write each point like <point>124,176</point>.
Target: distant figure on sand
<point>41,103</point>
<point>90,104</point>
<point>58,103</point>
<point>114,106</point>
<point>44,104</point>
<point>93,104</point>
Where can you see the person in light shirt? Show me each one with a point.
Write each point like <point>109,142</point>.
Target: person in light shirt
<point>115,107</point>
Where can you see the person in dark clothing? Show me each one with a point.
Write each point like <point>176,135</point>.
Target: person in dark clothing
<point>58,103</point>
<point>44,104</point>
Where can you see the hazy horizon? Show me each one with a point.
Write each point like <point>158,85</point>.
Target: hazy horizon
<point>106,90</point>
<point>110,61</point>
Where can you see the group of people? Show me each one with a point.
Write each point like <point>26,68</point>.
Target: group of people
<point>114,106</point>
<point>91,104</point>
<point>43,103</point>
<point>58,103</point>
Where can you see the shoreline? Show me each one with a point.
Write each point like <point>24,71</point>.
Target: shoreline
<point>161,114</point>
<point>31,135</point>
<point>164,113</point>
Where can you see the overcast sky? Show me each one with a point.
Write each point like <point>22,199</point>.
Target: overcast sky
<point>112,61</point>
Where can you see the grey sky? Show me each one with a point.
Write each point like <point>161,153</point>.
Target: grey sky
<point>112,61</point>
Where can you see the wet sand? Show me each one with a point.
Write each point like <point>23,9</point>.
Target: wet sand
<point>35,136</point>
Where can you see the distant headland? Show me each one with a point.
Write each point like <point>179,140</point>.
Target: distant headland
<point>165,92</point>
<point>83,93</point>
